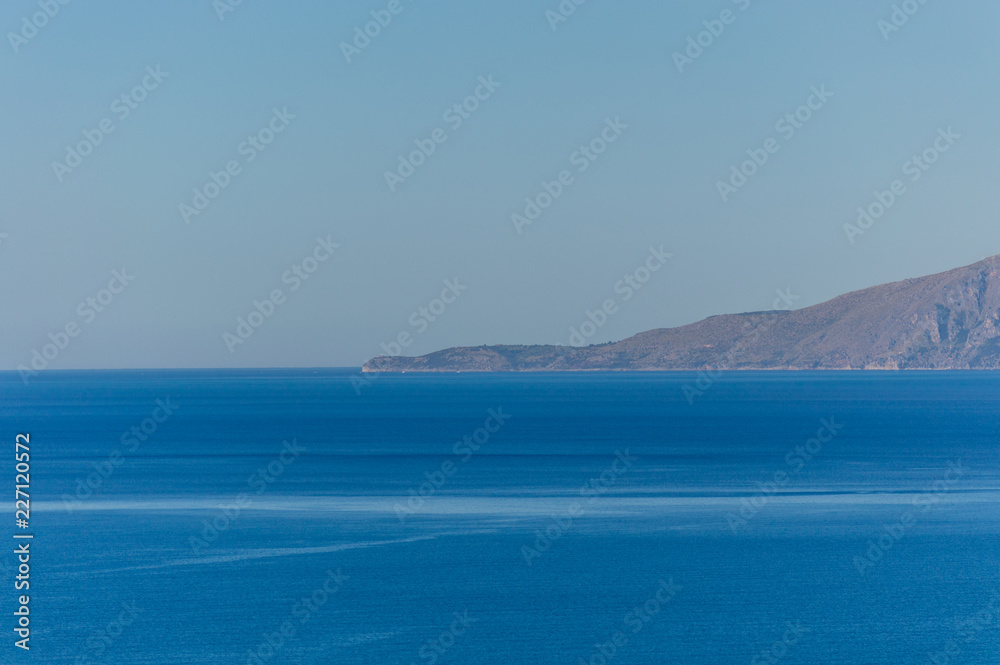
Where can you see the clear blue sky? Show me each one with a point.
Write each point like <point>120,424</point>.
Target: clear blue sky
<point>324,174</point>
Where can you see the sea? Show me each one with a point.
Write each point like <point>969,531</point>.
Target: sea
<point>333,517</point>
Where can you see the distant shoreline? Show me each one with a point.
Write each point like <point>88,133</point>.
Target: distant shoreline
<point>948,321</point>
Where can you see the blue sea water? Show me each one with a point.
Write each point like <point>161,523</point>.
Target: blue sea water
<point>611,518</point>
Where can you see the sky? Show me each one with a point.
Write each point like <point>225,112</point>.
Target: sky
<point>264,184</point>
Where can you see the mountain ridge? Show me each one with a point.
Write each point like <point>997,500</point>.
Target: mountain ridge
<point>948,320</point>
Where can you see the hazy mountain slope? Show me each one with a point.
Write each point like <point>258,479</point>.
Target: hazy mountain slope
<point>946,321</point>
